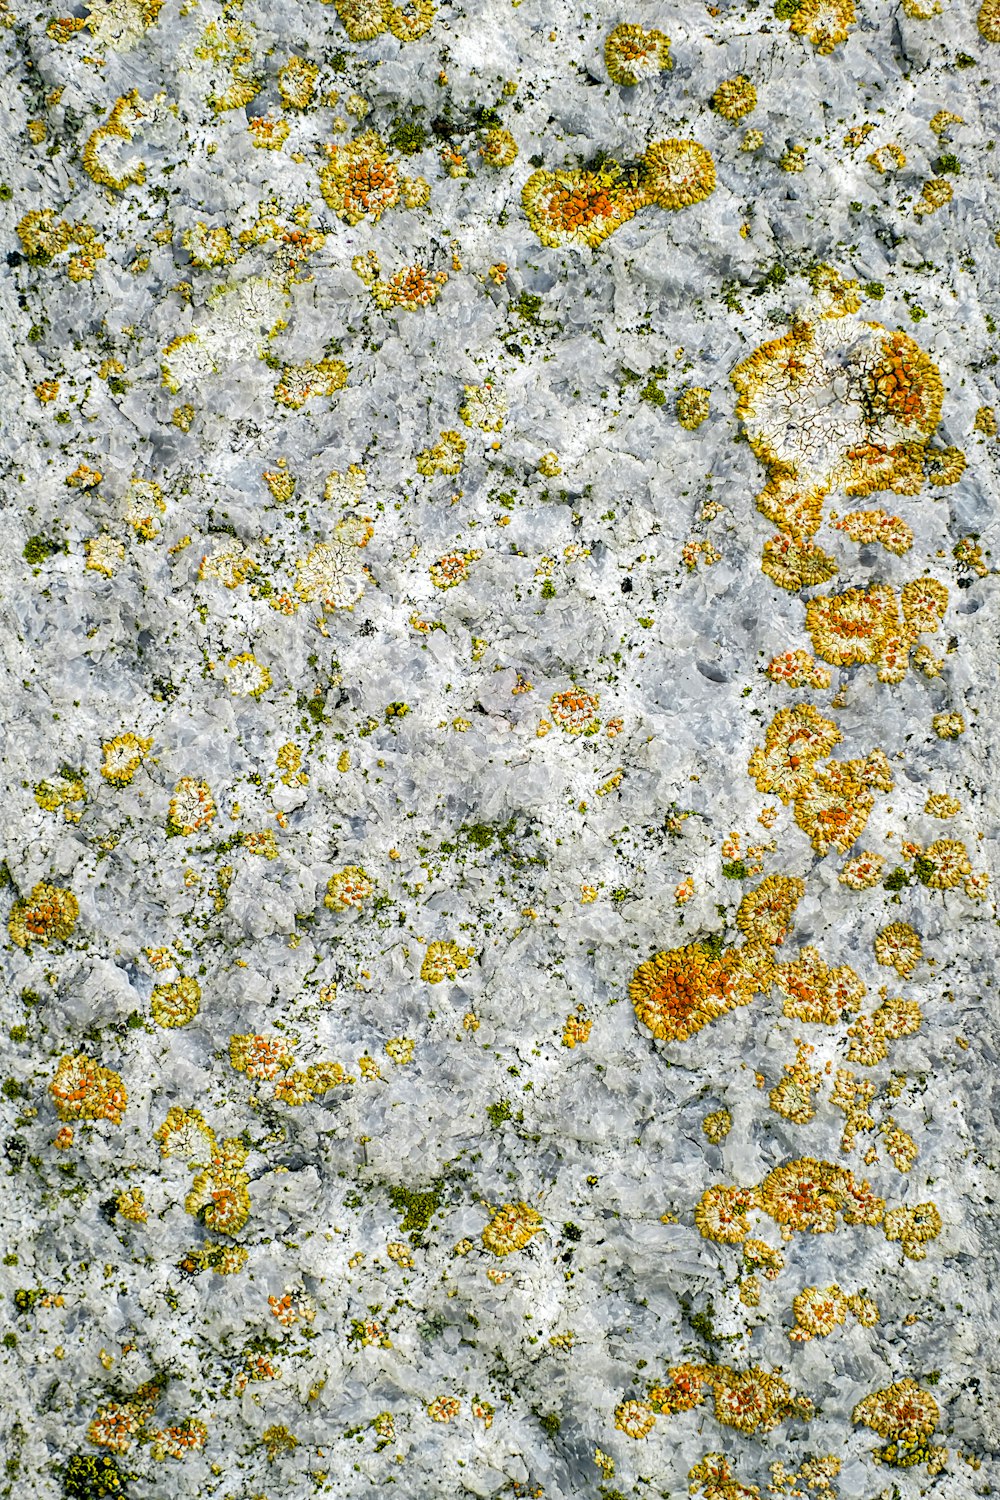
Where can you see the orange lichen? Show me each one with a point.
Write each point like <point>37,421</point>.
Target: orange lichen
<point>631,53</point>
<point>797,669</point>
<point>348,889</point>
<point>833,808</point>
<point>899,946</point>
<point>511,1228</point>
<point>864,625</point>
<point>575,711</point>
<point>912,1228</point>
<point>855,626</point>
<point>869,1036</point>
<point>795,739</point>
<point>819,1310</point>
<point>498,148</point>
<point>47,916</point>
<point>83,1090</point>
<point>576,207</point>
<point>806,1196</point>
<point>988,20</point>
<point>721,1213</point>
<point>735,97</point>
<point>836,401</point>
<point>635,1419</point>
<point>677,993</point>
<point>905,1415</point>
<point>792,1098</point>
<point>765,914</point>
<point>877,527</point>
<point>816,993</point>
<point>692,407</point>
<point>753,1401</point>
<point>717,1126</point>
<point>794,564</point>
<point>360,181</point>
<point>824,23</point>
<point>444,960</point>
<point>177,1003</point>
<point>364,20</point>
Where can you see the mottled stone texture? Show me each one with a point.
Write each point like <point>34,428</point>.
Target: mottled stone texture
<point>500,635</point>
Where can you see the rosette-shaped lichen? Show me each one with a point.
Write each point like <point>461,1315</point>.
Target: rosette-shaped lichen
<point>511,1228</point>
<point>677,173</point>
<point>176,1003</point>
<point>735,97</point>
<point>677,993</point>
<point>47,916</point>
<point>83,1090</point>
<point>576,207</point>
<point>905,1415</point>
<point>360,181</point>
<point>632,53</point>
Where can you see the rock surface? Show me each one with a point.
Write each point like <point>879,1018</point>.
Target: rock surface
<point>500,655</point>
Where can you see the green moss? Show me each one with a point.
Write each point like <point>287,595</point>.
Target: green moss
<point>651,392</point>
<point>528,306</point>
<point>88,1476</point>
<point>25,1298</point>
<point>729,296</point>
<point>480,835</point>
<point>897,880</point>
<point>924,869</point>
<point>735,869</point>
<point>37,549</point>
<point>703,1322</point>
<point>11,1088</point>
<point>499,1112</point>
<point>408,137</point>
<point>875,290</point>
<point>947,163</point>
<point>773,277</point>
<point>550,1424</point>
<point>486,118</point>
<point>904,1455</point>
<point>416,1207</point>
<point>785,10</point>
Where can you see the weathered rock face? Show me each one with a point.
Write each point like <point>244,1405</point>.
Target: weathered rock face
<point>500,663</point>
